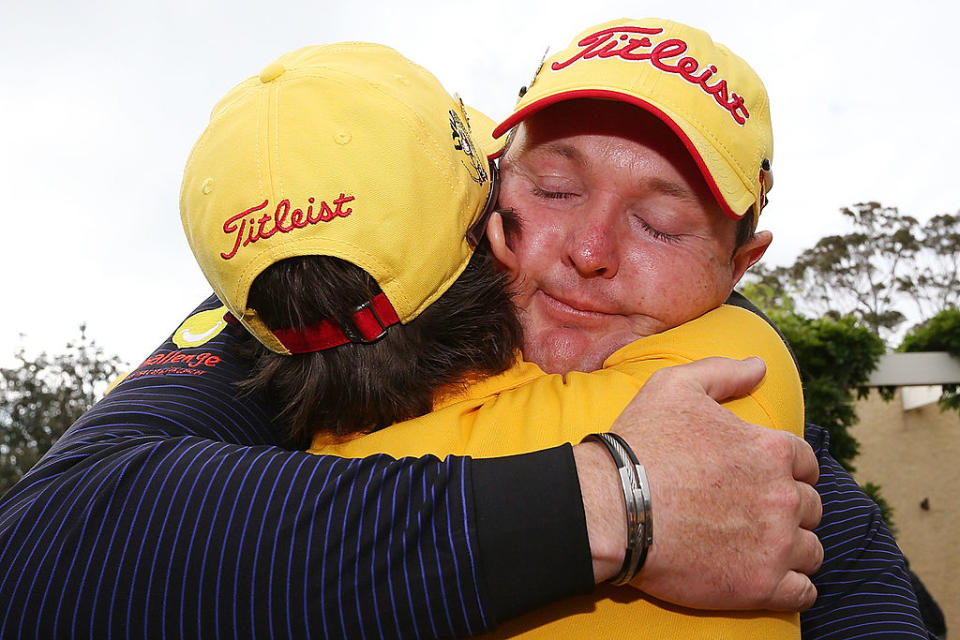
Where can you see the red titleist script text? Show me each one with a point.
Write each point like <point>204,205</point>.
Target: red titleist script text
<point>603,44</point>
<point>283,220</point>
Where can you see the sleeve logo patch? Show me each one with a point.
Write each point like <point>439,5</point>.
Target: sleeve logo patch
<point>200,328</point>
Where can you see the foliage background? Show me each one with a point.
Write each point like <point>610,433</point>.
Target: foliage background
<point>939,333</point>
<point>41,396</point>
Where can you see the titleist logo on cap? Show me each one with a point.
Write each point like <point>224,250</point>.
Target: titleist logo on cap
<point>283,220</point>
<point>663,56</point>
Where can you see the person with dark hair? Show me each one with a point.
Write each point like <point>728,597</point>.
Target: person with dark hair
<point>694,279</point>
<point>327,240</point>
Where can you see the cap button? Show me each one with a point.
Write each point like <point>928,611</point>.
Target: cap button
<point>271,72</point>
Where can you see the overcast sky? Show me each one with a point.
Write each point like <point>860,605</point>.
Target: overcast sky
<point>101,102</point>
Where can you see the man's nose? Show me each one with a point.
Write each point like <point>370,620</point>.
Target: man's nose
<point>593,246</point>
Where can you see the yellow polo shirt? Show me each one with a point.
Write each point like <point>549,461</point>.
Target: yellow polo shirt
<point>525,409</point>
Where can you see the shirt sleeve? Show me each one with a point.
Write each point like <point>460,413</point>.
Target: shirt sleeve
<point>863,589</point>
<point>169,510</point>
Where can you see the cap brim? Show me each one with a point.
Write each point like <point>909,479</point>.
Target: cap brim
<point>734,199</point>
<point>481,131</point>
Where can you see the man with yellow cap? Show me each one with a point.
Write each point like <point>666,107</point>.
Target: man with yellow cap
<point>639,161</point>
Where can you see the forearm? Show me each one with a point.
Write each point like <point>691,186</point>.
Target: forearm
<point>193,538</point>
<point>532,533</point>
<point>138,527</point>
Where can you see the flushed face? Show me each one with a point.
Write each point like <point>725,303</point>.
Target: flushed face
<point>620,236</point>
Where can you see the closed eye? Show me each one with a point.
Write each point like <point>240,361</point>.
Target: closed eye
<point>657,234</point>
<point>553,195</point>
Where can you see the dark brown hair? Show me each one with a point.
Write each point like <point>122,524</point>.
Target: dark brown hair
<point>472,329</point>
<point>744,232</point>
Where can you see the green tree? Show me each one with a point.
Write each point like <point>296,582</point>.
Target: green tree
<point>939,333</point>
<point>768,289</point>
<point>40,397</point>
<point>887,264</point>
<point>839,296</point>
<point>934,283</point>
<point>836,357</point>
<point>862,272</point>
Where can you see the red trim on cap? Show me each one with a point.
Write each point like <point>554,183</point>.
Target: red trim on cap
<point>618,96</point>
<point>370,322</point>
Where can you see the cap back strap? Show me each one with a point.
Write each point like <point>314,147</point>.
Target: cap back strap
<point>367,323</point>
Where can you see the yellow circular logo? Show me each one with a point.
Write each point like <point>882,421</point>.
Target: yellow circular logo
<point>200,328</point>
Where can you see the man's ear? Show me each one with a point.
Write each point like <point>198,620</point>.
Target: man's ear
<point>749,253</point>
<point>498,245</point>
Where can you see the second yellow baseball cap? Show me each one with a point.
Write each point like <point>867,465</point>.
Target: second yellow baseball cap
<point>347,150</point>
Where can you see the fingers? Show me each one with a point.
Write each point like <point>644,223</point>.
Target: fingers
<point>723,378</point>
<point>811,507</point>
<point>795,592</point>
<point>805,465</point>
<point>807,553</point>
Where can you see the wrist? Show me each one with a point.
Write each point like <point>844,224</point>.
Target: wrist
<point>636,497</point>
<point>604,508</point>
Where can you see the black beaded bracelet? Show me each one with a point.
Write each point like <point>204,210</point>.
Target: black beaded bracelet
<point>636,497</point>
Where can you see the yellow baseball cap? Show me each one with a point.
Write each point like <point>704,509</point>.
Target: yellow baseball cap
<point>709,96</point>
<point>346,150</point>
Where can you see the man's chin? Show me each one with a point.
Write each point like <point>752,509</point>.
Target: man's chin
<point>561,350</point>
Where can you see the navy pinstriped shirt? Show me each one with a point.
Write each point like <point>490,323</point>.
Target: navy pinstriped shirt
<point>863,587</point>
<point>169,511</point>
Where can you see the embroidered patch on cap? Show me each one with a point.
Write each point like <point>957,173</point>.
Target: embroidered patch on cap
<point>462,142</point>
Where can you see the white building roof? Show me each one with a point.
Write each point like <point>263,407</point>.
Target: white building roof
<point>910,369</point>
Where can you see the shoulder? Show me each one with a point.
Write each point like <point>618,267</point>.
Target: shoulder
<point>727,331</point>
<point>863,585</point>
<point>188,386</point>
<point>204,345</point>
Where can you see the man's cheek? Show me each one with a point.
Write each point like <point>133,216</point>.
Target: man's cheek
<point>537,228</point>
<point>522,289</point>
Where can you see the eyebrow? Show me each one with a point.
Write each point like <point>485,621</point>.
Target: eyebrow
<point>567,151</point>
<point>669,188</point>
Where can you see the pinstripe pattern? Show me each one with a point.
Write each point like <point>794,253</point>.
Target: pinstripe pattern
<point>166,512</point>
<point>863,588</point>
